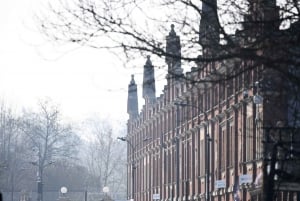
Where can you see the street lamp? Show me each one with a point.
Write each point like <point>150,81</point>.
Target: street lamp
<point>106,191</point>
<point>208,140</point>
<point>124,139</point>
<point>63,194</point>
<point>39,179</point>
<point>39,189</point>
<point>133,167</point>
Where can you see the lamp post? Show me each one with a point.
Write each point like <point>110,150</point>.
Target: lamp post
<point>207,174</point>
<point>124,139</point>
<point>177,150</point>
<point>133,167</point>
<point>39,179</point>
<point>63,193</point>
<point>105,190</point>
<point>39,189</point>
<point>207,147</point>
<point>40,169</point>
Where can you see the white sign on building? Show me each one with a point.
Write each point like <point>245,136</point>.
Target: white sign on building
<point>220,184</point>
<point>245,178</point>
<point>156,197</point>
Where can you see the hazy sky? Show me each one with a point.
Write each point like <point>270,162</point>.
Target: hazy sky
<point>82,81</point>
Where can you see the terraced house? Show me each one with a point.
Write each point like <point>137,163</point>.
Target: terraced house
<point>214,135</point>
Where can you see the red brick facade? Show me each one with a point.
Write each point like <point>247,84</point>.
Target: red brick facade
<point>203,140</point>
<point>197,115</point>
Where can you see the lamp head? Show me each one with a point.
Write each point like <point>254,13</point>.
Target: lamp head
<point>122,138</point>
<point>245,94</point>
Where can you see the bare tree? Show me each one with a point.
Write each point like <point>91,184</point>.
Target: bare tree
<point>49,137</point>
<point>8,127</point>
<point>224,40</point>
<point>105,158</point>
<point>216,31</point>
<point>11,151</point>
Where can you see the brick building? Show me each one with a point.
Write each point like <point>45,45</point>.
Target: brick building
<point>207,140</point>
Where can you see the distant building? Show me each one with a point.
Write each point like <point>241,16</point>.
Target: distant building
<point>210,140</point>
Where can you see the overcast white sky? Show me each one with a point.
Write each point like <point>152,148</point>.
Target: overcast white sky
<point>82,81</point>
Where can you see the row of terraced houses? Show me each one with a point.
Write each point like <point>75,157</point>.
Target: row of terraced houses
<point>206,140</point>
